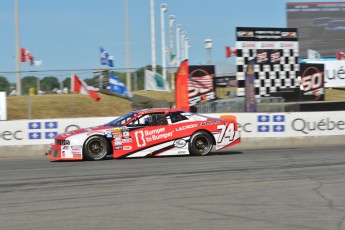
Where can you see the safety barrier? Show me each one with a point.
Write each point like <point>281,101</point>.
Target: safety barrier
<point>25,138</point>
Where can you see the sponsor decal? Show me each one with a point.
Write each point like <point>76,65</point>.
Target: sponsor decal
<point>209,123</point>
<point>245,34</point>
<point>117,147</point>
<point>180,143</point>
<point>109,135</point>
<point>142,137</point>
<point>118,143</point>
<point>127,147</point>
<point>76,147</point>
<point>127,140</point>
<point>182,128</point>
<point>125,133</point>
<point>182,152</point>
<point>65,147</point>
<point>117,130</point>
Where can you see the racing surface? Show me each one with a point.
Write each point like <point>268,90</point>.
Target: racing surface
<point>256,189</point>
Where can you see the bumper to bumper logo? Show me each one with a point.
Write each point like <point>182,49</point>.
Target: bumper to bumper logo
<point>271,123</point>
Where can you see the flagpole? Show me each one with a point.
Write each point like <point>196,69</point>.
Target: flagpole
<point>128,65</point>
<point>18,54</point>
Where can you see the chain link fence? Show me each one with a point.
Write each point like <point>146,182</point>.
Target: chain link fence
<point>237,104</point>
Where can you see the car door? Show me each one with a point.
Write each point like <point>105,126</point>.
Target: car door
<point>148,135</point>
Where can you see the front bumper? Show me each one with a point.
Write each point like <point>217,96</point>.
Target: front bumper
<point>65,152</point>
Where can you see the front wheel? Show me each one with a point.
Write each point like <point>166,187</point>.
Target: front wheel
<point>200,144</point>
<point>96,148</point>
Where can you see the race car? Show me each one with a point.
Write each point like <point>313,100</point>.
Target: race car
<point>147,133</point>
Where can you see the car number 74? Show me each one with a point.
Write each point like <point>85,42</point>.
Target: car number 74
<point>226,132</point>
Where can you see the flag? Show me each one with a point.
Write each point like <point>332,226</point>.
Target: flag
<point>313,54</point>
<point>106,59</point>
<point>79,86</point>
<point>229,52</point>
<point>340,55</point>
<point>155,81</point>
<point>181,93</point>
<point>117,86</point>
<point>26,56</point>
<point>173,58</point>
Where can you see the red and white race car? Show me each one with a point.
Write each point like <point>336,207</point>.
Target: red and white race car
<point>146,133</point>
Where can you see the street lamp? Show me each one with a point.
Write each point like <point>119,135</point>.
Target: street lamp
<point>178,48</point>
<point>163,10</point>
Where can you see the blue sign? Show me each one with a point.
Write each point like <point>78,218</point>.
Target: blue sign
<point>279,128</point>
<point>51,125</point>
<point>263,128</point>
<point>279,118</point>
<point>35,135</point>
<point>50,135</point>
<point>34,125</point>
<point>263,118</point>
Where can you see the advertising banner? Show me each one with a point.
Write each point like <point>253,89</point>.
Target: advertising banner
<point>251,125</point>
<point>3,106</point>
<point>334,73</point>
<point>201,84</point>
<point>276,53</point>
<point>312,82</point>
<point>250,90</point>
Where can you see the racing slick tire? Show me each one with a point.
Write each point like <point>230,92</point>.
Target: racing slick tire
<point>95,148</point>
<point>200,144</point>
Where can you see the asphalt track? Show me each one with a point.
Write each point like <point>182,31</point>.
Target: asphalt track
<point>302,188</point>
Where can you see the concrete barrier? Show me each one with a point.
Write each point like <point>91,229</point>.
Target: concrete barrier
<point>30,138</point>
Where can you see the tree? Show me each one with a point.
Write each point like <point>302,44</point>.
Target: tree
<point>67,82</point>
<point>4,85</point>
<point>49,83</point>
<point>27,83</point>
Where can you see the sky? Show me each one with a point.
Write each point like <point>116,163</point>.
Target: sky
<point>67,34</point>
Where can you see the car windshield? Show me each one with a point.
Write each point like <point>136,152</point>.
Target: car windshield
<point>120,121</point>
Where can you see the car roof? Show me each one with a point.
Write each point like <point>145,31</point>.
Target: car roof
<point>158,110</point>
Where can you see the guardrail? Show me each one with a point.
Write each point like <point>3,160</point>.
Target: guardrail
<point>258,130</point>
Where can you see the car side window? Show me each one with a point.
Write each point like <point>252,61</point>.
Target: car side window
<point>177,116</point>
<point>153,119</point>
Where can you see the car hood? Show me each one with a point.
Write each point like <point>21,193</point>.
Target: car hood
<point>102,129</point>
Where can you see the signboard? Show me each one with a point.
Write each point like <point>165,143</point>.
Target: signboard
<point>321,23</point>
<point>3,106</point>
<point>276,53</point>
<point>334,73</point>
<point>312,82</point>
<point>250,90</point>
<point>251,125</point>
<point>201,84</point>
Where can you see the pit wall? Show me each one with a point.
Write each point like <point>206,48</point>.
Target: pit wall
<point>27,138</point>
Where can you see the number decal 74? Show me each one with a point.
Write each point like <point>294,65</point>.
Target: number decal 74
<point>226,132</point>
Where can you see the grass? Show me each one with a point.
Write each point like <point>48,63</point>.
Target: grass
<point>78,105</point>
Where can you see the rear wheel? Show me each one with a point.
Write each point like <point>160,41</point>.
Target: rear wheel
<point>200,144</point>
<point>96,148</point>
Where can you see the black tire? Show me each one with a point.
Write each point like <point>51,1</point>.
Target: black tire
<point>95,148</point>
<point>200,144</point>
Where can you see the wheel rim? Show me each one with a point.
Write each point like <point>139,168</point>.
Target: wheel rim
<point>96,148</point>
<point>201,144</point>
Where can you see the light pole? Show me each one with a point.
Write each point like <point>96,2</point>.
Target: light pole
<point>178,42</point>
<point>128,64</point>
<point>208,47</point>
<point>18,54</point>
<point>164,70</point>
<point>183,35</point>
<point>171,23</point>
<point>187,48</point>
<point>153,36</point>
